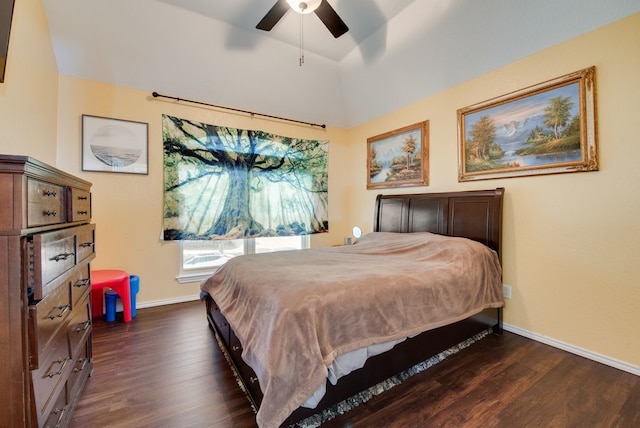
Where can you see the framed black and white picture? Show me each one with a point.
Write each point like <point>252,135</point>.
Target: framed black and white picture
<point>114,145</point>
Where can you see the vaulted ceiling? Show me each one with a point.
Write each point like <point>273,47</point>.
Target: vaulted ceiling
<point>395,52</point>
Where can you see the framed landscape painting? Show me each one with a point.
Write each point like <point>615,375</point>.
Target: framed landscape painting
<point>399,158</point>
<point>114,145</point>
<point>543,129</point>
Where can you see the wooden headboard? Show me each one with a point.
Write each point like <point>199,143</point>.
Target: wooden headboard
<point>475,214</point>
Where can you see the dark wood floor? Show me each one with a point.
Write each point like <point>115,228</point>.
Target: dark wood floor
<point>164,370</point>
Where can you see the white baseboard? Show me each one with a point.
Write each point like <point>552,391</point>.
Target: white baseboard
<point>155,303</point>
<point>612,362</point>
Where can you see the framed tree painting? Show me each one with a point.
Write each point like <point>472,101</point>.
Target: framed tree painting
<point>399,158</point>
<point>543,129</point>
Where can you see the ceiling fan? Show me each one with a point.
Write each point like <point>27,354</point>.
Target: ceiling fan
<point>322,9</point>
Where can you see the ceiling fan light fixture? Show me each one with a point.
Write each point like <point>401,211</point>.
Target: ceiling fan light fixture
<point>304,7</point>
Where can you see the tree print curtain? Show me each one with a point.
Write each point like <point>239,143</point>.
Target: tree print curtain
<point>226,183</point>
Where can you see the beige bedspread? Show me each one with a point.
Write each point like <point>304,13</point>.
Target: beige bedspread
<point>295,311</point>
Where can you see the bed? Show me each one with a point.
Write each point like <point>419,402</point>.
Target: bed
<point>273,332</point>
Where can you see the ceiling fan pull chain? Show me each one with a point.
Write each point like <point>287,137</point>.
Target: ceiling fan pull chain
<point>301,41</point>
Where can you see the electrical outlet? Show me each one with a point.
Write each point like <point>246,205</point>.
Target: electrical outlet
<point>507,291</point>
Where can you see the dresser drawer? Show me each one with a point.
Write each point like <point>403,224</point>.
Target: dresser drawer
<point>49,379</point>
<point>48,320</point>
<point>45,203</point>
<point>58,254</point>
<point>80,284</point>
<point>86,239</point>
<point>59,412</point>
<point>79,327</point>
<point>82,367</point>
<point>80,206</point>
<point>53,254</point>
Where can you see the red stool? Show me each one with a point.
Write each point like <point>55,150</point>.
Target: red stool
<point>118,281</point>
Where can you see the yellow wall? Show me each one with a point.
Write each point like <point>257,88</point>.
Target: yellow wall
<point>571,244</point>
<point>571,241</point>
<point>128,208</point>
<point>29,93</point>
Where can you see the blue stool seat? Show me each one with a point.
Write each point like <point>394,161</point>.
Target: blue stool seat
<point>111,297</point>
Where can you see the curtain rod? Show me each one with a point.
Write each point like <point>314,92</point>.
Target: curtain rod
<point>156,95</point>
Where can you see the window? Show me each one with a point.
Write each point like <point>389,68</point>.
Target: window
<point>199,259</point>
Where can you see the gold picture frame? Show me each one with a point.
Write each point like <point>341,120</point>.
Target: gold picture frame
<point>547,128</point>
<point>399,158</point>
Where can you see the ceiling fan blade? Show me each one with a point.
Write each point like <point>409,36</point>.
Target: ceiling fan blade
<point>273,16</point>
<point>331,20</point>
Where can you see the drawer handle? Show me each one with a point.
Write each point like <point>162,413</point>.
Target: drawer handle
<point>51,193</point>
<point>63,362</point>
<point>84,362</point>
<point>62,256</point>
<point>49,213</point>
<point>83,198</point>
<point>82,327</point>
<point>85,212</point>
<point>63,310</point>
<point>82,282</point>
<point>86,244</point>
<point>236,348</point>
<point>60,413</point>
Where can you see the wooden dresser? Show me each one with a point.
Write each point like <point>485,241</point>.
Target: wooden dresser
<point>46,245</point>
